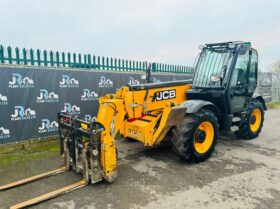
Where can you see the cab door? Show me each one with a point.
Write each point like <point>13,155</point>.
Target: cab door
<point>252,74</point>
<point>238,88</point>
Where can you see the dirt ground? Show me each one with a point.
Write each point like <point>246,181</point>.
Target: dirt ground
<point>240,174</point>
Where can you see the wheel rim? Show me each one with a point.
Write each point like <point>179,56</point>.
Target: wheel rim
<point>203,145</point>
<point>255,120</point>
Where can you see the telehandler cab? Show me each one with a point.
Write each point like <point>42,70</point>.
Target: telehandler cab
<point>220,98</point>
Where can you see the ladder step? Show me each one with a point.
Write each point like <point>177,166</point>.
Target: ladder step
<point>236,119</point>
<point>34,178</point>
<point>234,128</point>
<point>50,195</point>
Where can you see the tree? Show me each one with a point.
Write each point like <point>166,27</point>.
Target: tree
<point>275,67</point>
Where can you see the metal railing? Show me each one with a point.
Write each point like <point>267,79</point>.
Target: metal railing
<point>46,58</point>
<point>269,86</point>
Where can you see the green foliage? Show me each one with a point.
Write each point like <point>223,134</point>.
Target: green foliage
<point>273,105</point>
<point>37,152</point>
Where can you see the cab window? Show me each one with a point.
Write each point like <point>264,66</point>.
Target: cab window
<point>240,71</point>
<point>253,72</point>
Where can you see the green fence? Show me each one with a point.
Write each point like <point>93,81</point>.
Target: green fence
<point>45,58</point>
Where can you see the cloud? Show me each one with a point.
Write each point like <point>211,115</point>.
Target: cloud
<point>168,31</point>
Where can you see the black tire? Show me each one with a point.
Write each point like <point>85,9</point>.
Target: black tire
<point>245,131</point>
<point>184,135</point>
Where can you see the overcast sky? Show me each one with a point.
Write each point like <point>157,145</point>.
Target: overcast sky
<point>166,31</point>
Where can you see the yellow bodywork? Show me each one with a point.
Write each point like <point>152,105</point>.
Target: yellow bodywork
<point>138,114</point>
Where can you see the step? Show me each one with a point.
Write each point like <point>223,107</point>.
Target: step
<point>234,128</point>
<point>236,119</point>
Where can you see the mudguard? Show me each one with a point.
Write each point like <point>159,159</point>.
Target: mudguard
<point>260,98</point>
<point>195,105</point>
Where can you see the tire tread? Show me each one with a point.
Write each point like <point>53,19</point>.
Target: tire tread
<point>183,136</point>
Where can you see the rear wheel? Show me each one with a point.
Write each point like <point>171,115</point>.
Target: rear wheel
<point>195,137</point>
<point>251,126</point>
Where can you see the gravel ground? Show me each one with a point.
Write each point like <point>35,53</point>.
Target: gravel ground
<point>240,174</point>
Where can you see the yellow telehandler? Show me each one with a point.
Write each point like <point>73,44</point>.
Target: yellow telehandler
<point>220,98</point>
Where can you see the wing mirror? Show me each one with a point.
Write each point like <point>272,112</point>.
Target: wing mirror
<point>216,77</point>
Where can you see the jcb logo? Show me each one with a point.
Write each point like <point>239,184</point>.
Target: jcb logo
<point>164,95</point>
<point>134,132</point>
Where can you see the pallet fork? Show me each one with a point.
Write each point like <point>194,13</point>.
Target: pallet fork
<point>80,146</point>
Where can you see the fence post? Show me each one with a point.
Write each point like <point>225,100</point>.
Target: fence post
<point>89,61</point>
<point>120,62</point>
<point>80,60</point>
<point>17,55</point>
<point>9,49</point>
<point>39,57</point>
<point>116,63</point>
<point>154,67</point>
<point>31,53</point>
<point>63,59</point>
<point>69,59</point>
<point>107,63</point>
<point>130,67</point>
<point>126,65</point>
<point>84,65</point>
<point>24,52</point>
<point>133,65</point>
<point>57,59</point>
<point>112,63</point>
<point>98,62</point>
<point>137,66</point>
<point>144,66</point>
<point>45,54</point>
<point>2,60</point>
<point>103,63</point>
<point>94,61</point>
<point>51,57</point>
<point>74,60</point>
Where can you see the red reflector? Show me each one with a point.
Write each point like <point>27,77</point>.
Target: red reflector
<point>67,120</point>
<point>134,119</point>
<point>131,119</point>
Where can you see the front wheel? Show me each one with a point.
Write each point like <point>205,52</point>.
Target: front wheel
<point>196,136</point>
<point>251,126</point>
